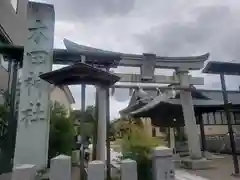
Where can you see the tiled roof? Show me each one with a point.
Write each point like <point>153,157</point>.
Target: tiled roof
<point>201,97</point>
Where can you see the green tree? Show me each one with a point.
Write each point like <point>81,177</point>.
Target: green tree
<point>61,138</point>
<point>3,122</point>
<point>123,125</point>
<point>4,110</point>
<point>137,145</point>
<point>87,118</point>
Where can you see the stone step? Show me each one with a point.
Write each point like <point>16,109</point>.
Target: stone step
<point>183,175</point>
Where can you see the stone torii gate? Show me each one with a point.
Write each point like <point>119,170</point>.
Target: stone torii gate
<point>39,55</point>
<point>181,79</point>
<point>148,63</point>
<point>182,82</point>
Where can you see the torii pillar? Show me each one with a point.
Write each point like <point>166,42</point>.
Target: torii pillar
<point>102,123</point>
<point>189,116</point>
<point>195,160</point>
<point>147,75</point>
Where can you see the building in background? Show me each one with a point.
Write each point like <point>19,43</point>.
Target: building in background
<point>13,21</point>
<point>215,124</point>
<point>13,29</point>
<point>63,96</point>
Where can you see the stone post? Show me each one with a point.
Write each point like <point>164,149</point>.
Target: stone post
<point>163,165</point>
<point>101,138</point>
<point>129,170</point>
<point>60,168</point>
<point>34,110</point>
<point>172,139</point>
<point>189,116</point>
<point>96,170</point>
<point>26,172</point>
<point>75,156</point>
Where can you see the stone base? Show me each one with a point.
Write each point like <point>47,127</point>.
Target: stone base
<point>196,164</point>
<point>177,160</point>
<point>211,156</point>
<point>183,154</point>
<point>75,157</point>
<point>235,175</point>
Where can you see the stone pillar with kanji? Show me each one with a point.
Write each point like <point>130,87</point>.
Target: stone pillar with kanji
<point>34,104</point>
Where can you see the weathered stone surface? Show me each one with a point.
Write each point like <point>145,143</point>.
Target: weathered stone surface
<point>96,170</point>
<point>60,168</point>
<point>189,116</point>
<point>75,157</point>
<point>129,170</point>
<point>33,116</point>
<point>24,172</point>
<point>197,164</point>
<point>101,138</point>
<point>163,165</point>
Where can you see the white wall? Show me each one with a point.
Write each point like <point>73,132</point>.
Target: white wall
<point>218,129</point>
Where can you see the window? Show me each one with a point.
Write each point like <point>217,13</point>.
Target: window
<point>205,118</point>
<point>224,118</point>
<point>220,118</point>
<point>14,4</point>
<point>211,118</point>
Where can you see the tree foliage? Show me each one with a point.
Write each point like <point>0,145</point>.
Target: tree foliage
<point>61,138</point>
<point>122,125</point>
<point>4,111</point>
<point>61,135</point>
<point>138,145</point>
<point>3,121</point>
<point>138,142</point>
<point>86,117</point>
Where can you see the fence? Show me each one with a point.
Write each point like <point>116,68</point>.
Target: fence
<point>60,169</point>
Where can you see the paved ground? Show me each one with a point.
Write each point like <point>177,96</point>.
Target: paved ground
<point>75,173</point>
<point>184,175</point>
<point>222,170</point>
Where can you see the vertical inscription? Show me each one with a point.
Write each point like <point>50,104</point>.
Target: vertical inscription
<point>33,115</point>
<point>37,57</point>
<point>36,32</point>
<point>33,81</point>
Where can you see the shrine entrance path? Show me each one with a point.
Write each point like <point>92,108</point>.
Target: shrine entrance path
<point>75,173</point>
<point>222,170</point>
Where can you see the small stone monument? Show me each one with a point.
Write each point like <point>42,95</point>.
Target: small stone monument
<point>163,165</point>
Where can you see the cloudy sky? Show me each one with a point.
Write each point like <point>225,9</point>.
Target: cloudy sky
<point>164,27</point>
